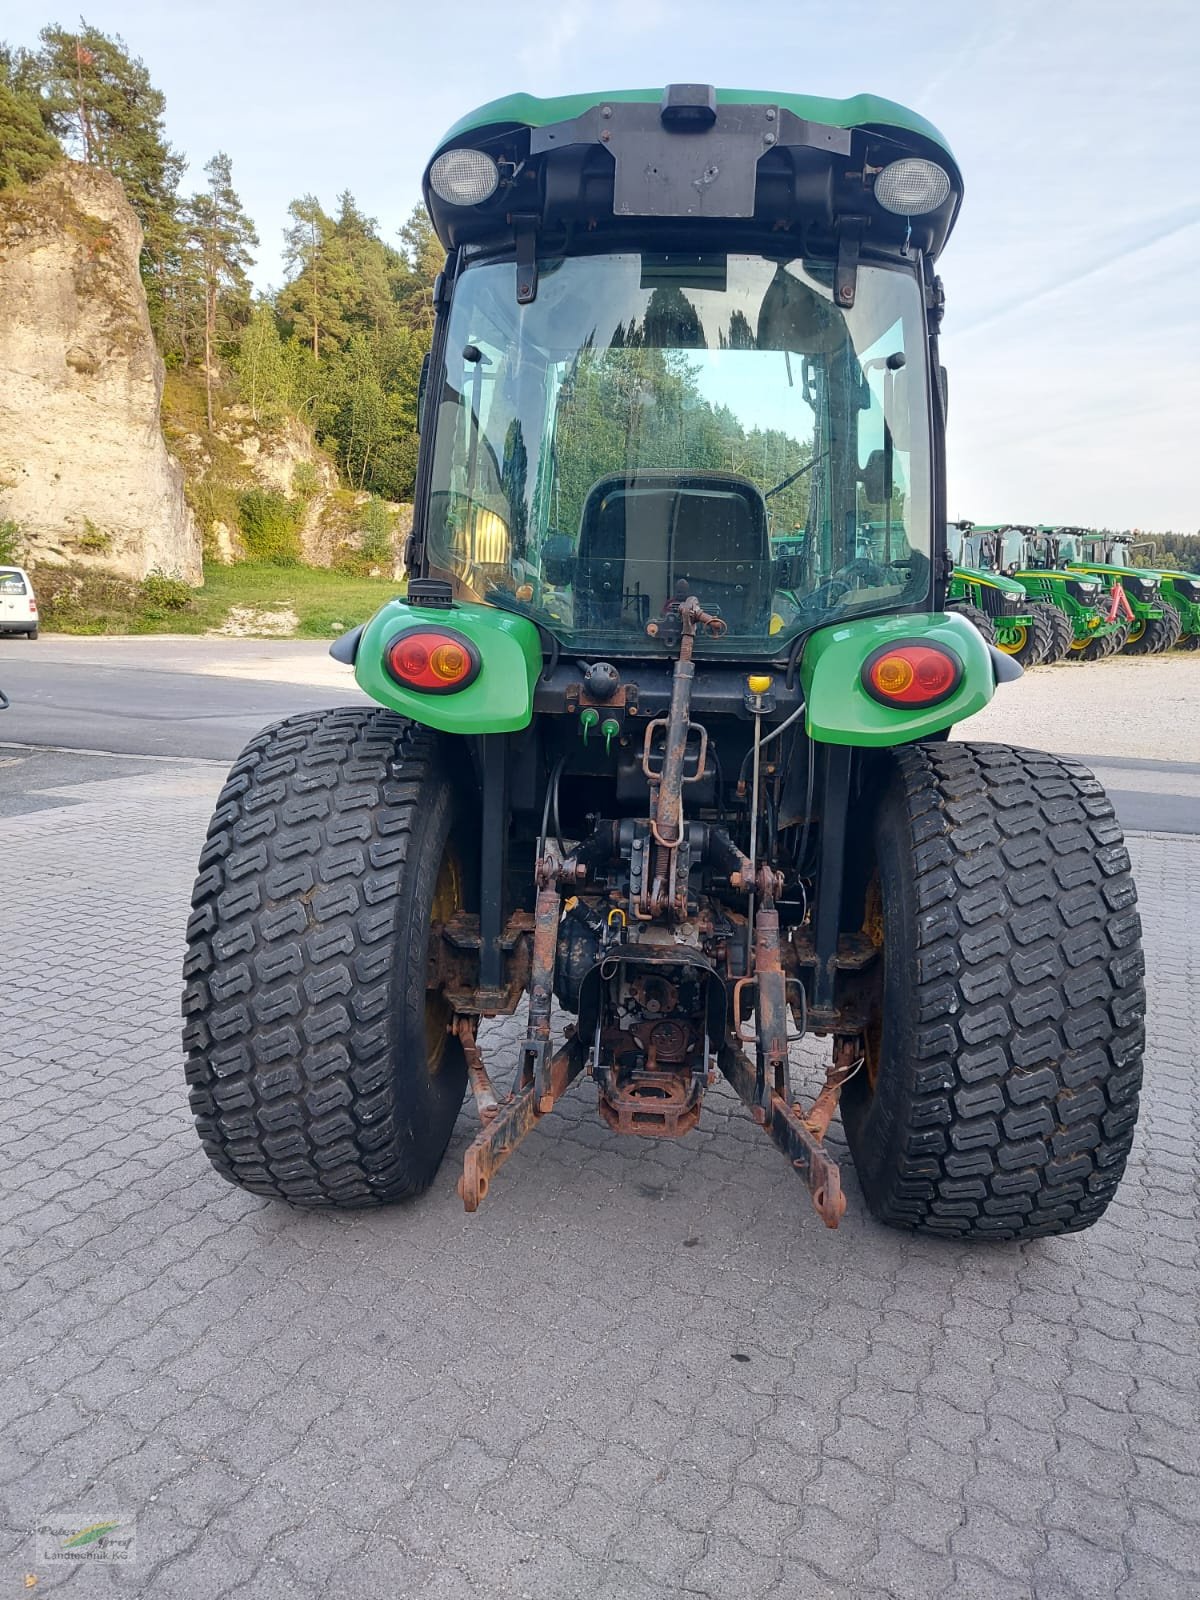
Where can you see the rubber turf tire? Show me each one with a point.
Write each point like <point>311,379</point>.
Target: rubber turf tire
<point>304,998</point>
<point>1159,635</point>
<point>1061,633</point>
<point>1039,640</point>
<point>1014,1002</point>
<point>974,614</point>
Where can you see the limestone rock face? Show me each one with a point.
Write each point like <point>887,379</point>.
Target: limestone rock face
<point>83,466</point>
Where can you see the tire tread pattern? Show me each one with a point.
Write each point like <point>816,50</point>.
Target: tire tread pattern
<point>293,1005</point>
<point>1014,1115</point>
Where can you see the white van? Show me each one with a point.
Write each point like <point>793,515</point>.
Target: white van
<point>18,608</point>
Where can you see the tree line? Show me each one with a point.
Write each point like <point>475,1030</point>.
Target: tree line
<point>339,345</point>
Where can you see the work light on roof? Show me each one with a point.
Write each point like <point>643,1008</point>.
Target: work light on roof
<point>464,177</point>
<point>912,186</point>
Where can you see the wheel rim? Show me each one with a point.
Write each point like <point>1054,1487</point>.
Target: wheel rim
<point>447,899</point>
<point>1136,632</point>
<point>1015,642</point>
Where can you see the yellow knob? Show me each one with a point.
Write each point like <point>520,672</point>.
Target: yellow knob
<point>758,683</point>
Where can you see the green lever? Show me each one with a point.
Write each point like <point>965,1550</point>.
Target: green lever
<point>610,728</point>
<point>588,718</point>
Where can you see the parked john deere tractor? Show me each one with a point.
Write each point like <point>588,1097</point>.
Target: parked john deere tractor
<point>1091,619</point>
<point>1154,624</point>
<point>1001,610</point>
<point>626,756</point>
<point>1161,619</point>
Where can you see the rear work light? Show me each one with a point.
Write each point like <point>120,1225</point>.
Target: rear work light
<point>432,660</point>
<point>911,187</point>
<point>464,177</point>
<point>911,673</point>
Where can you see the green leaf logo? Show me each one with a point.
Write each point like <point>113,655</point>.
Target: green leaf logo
<point>89,1535</point>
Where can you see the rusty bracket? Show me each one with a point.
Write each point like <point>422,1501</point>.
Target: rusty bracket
<point>535,1051</point>
<point>487,1102</point>
<point>847,1059</point>
<point>513,1120</point>
<point>786,1129</point>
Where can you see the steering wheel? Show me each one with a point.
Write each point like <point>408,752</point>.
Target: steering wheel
<point>828,594</point>
<point>862,573</point>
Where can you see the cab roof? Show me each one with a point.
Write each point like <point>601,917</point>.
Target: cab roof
<point>858,111</point>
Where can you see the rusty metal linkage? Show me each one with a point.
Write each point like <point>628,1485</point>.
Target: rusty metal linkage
<point>847,1059</point>
<point>486,1101</point>
<point>535,1050</point>
<point>780,1122</point>
<point>514,1118</point>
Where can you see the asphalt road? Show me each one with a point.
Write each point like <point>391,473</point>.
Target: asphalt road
<point>162,697</point>
<point>159,701</point>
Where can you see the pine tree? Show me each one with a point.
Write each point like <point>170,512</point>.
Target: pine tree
<point>219,237</point>
<point>312,302</point>
<point>99,100</point>
<point>27,148</point>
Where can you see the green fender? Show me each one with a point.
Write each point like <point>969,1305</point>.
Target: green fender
<point>840,711</point>
<point>501,698</point>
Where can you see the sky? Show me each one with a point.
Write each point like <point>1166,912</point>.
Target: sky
<point>1072,331</point>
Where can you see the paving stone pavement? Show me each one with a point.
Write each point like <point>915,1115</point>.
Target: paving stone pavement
<point>642,1370</point>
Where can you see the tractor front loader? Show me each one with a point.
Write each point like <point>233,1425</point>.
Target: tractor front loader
<point>659,730</point>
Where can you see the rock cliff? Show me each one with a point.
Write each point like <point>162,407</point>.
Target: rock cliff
<point>83,467</point>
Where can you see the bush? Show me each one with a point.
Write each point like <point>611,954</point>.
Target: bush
<point>377,534</point>
<point>92,541</point>
<point>270,527</point>
<point>160,594</point>
<point>306,480</point>
<point>83,600</point>
<point>12,543</point>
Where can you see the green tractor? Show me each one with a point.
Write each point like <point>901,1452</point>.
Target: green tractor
<point>1090,621</point>
<point>1163,616</point>
<point>1154,623</point>
<point>1001,610</point>
<point>627,756</point>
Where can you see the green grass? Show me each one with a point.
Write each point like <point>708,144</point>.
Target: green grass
<point>320,598</point>
<point>325,602</point>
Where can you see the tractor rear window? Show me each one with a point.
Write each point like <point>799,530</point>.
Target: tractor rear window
<point>656,425</point>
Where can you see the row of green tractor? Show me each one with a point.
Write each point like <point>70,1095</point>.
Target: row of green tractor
<point>1047,594</point>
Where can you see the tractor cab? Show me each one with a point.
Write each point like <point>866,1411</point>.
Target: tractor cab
<point>688,346</point>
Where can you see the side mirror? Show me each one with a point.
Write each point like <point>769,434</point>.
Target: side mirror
<point>873,478</point>
<point>558,560</point>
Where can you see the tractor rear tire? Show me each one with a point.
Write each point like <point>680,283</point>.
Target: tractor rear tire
<point>973,614</point>
<point>1159,634</point>
<point>1188,641</point>
<point>320,1065</point>
<point>1061,633</point>
<point>1000,1089</point>
<point>1036,643</point>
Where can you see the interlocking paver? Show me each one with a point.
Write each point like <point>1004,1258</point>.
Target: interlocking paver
<point>641,1370</point>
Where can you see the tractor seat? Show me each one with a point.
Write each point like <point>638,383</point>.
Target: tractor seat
<point>644,533</point>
